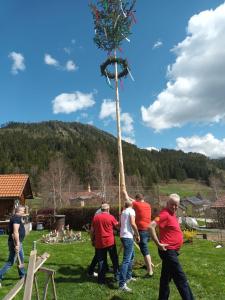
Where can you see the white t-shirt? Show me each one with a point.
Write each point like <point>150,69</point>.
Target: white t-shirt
<point>126,230</point>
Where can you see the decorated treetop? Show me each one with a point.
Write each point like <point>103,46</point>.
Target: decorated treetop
<point>112,21</point>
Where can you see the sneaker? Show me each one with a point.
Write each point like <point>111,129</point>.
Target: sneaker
<point>131,279</point>
<point>148,275</point>
<point>92,275</point>
<point>125,288</point>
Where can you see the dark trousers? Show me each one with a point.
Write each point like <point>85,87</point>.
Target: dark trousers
<point>94,263</point>
<point>171,269</point>
<point>102,258</point>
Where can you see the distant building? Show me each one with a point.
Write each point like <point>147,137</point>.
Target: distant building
<point>219,206</point>
<point>195,206</point>
<point>14,190</point>
<point>86,198</point>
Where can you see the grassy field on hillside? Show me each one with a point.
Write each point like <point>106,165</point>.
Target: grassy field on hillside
<point>186,188</point>
<point>202,262</point>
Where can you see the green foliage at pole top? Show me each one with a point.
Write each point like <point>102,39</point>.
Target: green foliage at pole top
<point>112,22</point>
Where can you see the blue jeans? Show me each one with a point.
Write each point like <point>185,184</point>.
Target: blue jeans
<point>144,239</point>
<point>171,269</point>
<point>11,260</point>
<point>102,262</point>
<point>127,263</point>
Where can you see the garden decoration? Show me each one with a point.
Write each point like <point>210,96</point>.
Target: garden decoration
<point>112,23</point>
<point>62,236</point>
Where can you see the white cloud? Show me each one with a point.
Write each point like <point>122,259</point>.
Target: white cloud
<point>152,148</point>
<point>70,66</point>
<point>127,123</point>
<point>195,90</point>
<point>108,110</point>
<point>67,50</point>
<point>207,145</point>
<point>68,103</point>
<point>84,115</point>
<point>129,140</point>
<point>157,44</point>
<point>18,62</point>
<point>49,60</point>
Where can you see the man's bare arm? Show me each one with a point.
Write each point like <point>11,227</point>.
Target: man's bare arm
<point>152,229</point>
<point>16,236</point>
<point>134,227</point>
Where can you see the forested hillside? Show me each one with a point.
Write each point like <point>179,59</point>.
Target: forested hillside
<point>31,148</point>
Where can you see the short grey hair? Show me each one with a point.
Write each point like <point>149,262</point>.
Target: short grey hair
<point>105,206</point>
<point>174,197</point>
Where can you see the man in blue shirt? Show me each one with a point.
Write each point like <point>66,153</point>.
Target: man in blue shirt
<point>15,240</point>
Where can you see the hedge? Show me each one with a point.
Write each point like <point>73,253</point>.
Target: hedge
<point>78,217</point>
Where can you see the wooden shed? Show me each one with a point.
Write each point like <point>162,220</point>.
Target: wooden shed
<point>219,206</point>
<point>13,188</point>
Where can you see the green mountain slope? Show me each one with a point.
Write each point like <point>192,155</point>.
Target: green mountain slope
<point>30,147</point>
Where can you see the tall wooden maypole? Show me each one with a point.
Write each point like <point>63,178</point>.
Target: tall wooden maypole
<point>112,21</point>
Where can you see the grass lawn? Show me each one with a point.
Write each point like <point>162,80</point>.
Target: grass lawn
<point>202,262</point>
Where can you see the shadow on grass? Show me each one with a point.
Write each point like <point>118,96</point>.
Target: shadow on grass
<point>78,274</point>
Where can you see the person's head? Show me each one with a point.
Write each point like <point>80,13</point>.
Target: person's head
<point>105,207</point>
<point>20,210</point>
<point>128,203</point>
<point>173,203</point>
<point>139,197</point>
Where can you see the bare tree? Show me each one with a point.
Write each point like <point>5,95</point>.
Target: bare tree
<point>217,182</point>
<point>101,172</point>
<point>57,180</point>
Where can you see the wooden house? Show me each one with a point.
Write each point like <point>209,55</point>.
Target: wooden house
<point>219,206</point>
<point>195,206</point>
<point>86,198</point>
<point>14,189</point>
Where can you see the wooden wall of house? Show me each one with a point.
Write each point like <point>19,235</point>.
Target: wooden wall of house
<point>221,217</point>
<point>6,208</point>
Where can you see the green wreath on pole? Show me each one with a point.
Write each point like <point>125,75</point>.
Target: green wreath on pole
<point>112,60</point>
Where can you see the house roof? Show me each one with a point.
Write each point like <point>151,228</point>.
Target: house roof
<point>193,200</point>
<point>15,185</point>
<point>219,203</point>
<point>84,195</point>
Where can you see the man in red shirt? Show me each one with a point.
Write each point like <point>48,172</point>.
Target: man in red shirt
<point>143,220</point>
<point>103,239</point>
<point>169,242</point>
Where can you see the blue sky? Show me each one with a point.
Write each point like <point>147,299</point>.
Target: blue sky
<point>49,70</point>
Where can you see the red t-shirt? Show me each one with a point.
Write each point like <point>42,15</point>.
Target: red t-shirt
<point>169,230</point>
<point>103,225</point>
<point>143,214</point>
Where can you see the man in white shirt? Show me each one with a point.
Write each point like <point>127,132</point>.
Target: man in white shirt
<point>128,230</point>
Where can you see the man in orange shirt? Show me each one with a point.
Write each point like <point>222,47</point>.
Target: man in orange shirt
<point>143,220</point>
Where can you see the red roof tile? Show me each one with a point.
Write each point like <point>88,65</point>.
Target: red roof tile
<point>12,185</point>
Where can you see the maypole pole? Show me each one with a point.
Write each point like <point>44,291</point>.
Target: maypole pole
<point>112,22</point>
<point>122,184</point>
